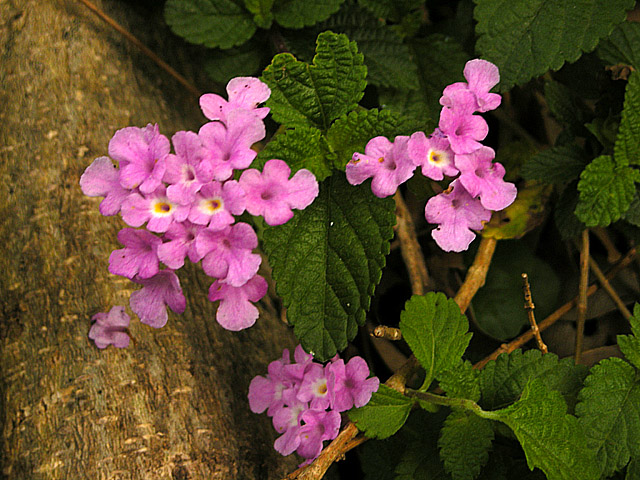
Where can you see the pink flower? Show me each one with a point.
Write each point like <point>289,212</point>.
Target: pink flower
<point>481,76</point>
<point>388,163</point>
<point>433,154</point>
<point>482,177</point>
<point>102,179</point>
<point>457,213</point>
<point>142,153</point>
<point>181,236</point>
<point>314,387</point>
<point>183,172</point>
<point>110,328</point>
<point>272,195</point>
<point>154,208</point>
<point>243,92</point>
<point>287,421</point>
<point>150,303</point>
<point>351,385</point>
<point>139,257</point>
<point>463,129</point>
<point>217,203</point>
<point>318,425</point>
<point>236,312</point>
<point>266,393</point>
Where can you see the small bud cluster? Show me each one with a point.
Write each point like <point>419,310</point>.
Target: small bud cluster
<point>305,399</point>
<point>189,198</point>
<point>453,149</point>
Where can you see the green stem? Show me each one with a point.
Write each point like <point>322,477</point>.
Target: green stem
<point>463,403</point>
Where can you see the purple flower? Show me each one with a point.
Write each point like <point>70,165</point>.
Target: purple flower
<point>433,154</point>
<point>287,420</point>
<point>227,253</point>
<point>236,312</point>
<point>141,153</point>
<point>388,163</point>
<point>139,255</point>
<point>102,179</point>
<point>157,292</point>
<point>463,129</point>
<point>318,426</point>
<point>351,385</point>
<point>183,169</point>
<point>181,236</point>
<point>243,92</point>
<point>457,213</point>
<point>110,328</point>
<point>154,208</point>
<point>482,177</point>
<point>272,195</point>
<point>217,203</point>
<point>229,147</point>
<point>314,387</point>
<point>481,76</point>
<point>266,393</point>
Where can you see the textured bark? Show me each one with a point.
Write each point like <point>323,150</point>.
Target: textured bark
<point>172,405</point>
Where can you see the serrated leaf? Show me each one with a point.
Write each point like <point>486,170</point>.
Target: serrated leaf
<point>627,147</point>
<point>633,470</point>
<point>302,147</point>
<point>606,191</point>
<point>461,381</point>
<point>552,440</point>
<point>261,10</point>
<point>327,261</point>
<point>392,10</point>
<point>556,165</point>
<point>385,413</point>
<point>566,221</point>
<point>244,61</point>
<point>436,331</point>
<point>465,440</point>
<point>609,412</point>
<point>527,38</point>
<point>503,380</point>
<point>418,464</point>
<point>317,94</point>
<point>212,23</point>
<point>630,344</point>
<point>632,215</point>
<point>350,133</point>
<point>301,13</point>
<point>622,46</point>
<point>565,105</point>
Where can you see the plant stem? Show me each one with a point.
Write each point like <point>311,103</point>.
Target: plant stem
<point>477,273</point>
<point>582,293</point>
<point>410,248</point>
<point>453,403</point>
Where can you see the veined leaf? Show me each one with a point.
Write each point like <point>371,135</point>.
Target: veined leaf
<point>557,165</point>
<point>622,46</point>
<point>630,344</point>
<point>461,381</point>
<point>261,10</point>
<point>302,13</point>
<point>385,413</point>
<point>627,146</point>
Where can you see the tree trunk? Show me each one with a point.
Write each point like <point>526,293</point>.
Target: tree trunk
<point>171,406</point>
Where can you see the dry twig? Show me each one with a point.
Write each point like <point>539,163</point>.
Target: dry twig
<point>529,306</point>
<point>582,293</point>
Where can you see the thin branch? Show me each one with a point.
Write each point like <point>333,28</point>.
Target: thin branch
<point>529,306</point>
<point>142,47</point>
<point>582,293</point>
<point>390,333</point>
<point>477,273</point>
<point>609,289</point>
<point>410,248</point>
<point>555,316</point>
<point>613,255</point>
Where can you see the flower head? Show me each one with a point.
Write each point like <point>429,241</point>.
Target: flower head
<point>481,76</point>
<point>433,154</point>
<point>351,385</point>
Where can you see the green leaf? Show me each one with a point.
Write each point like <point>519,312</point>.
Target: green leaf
<point>462,381</point>
<point>503,380</point>
<point>212,23</point>
<point>565,105</point>
<point>566,221</point>
<point>243,61</point>
<point>351,133</point>
<point>609,412</point>
<point>302,147</point>
<point>630,344</point>
<point>302,13</point>
<point>622,46</point>
<point>606,191</point>
<point>556,165</point>
<point>385,413</point>
<point>327,261</point>
<point>552,440</point>
<point>436,331</point>
<point>528,37</point>
<point>633,470</point>
<point>261,10</point>
<point>632,215</point>
<point>392,10</point>
<point>627,147</point>
<point>464,444</point>
<point>317,94</point>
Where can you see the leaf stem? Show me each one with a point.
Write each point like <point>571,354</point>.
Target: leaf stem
<point>462,403</point>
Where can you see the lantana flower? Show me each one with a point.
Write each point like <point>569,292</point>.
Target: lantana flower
<point>139,255</point>
<point>481,77</point>
<point>236,310</point>
<point>243,93</point>
<point>110,328</point>
<point>150,303</point>
<point>433,154</point>
<point>102,179</point>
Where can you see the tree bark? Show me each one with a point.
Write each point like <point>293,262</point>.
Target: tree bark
<point>171,406</point>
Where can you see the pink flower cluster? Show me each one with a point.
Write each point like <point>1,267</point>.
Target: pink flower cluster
<point>305,399</point>
<point>452,150</point>
<point>190,198</point>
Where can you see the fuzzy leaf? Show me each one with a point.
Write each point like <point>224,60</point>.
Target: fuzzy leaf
<point>622,46</point>
<point>609,412</point>
<point>503,380</point>
<point>302,13</point>
<point>462,381</point>
<point>385,413</point>
<point>212,23</point>
<point>327,261</point>
<point>630,344</point>
<point>606,191</point>
<point>627,146</point>
<point>436,332</point>
<point>556,165</point>
<point>552,440</point>
<point>566,220</point>
<point>317,94</point>
<point>527,38</point>
<point>261,10</point>
<point>303,147</point>
<point>465,440</point>
<point>350,133</point>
